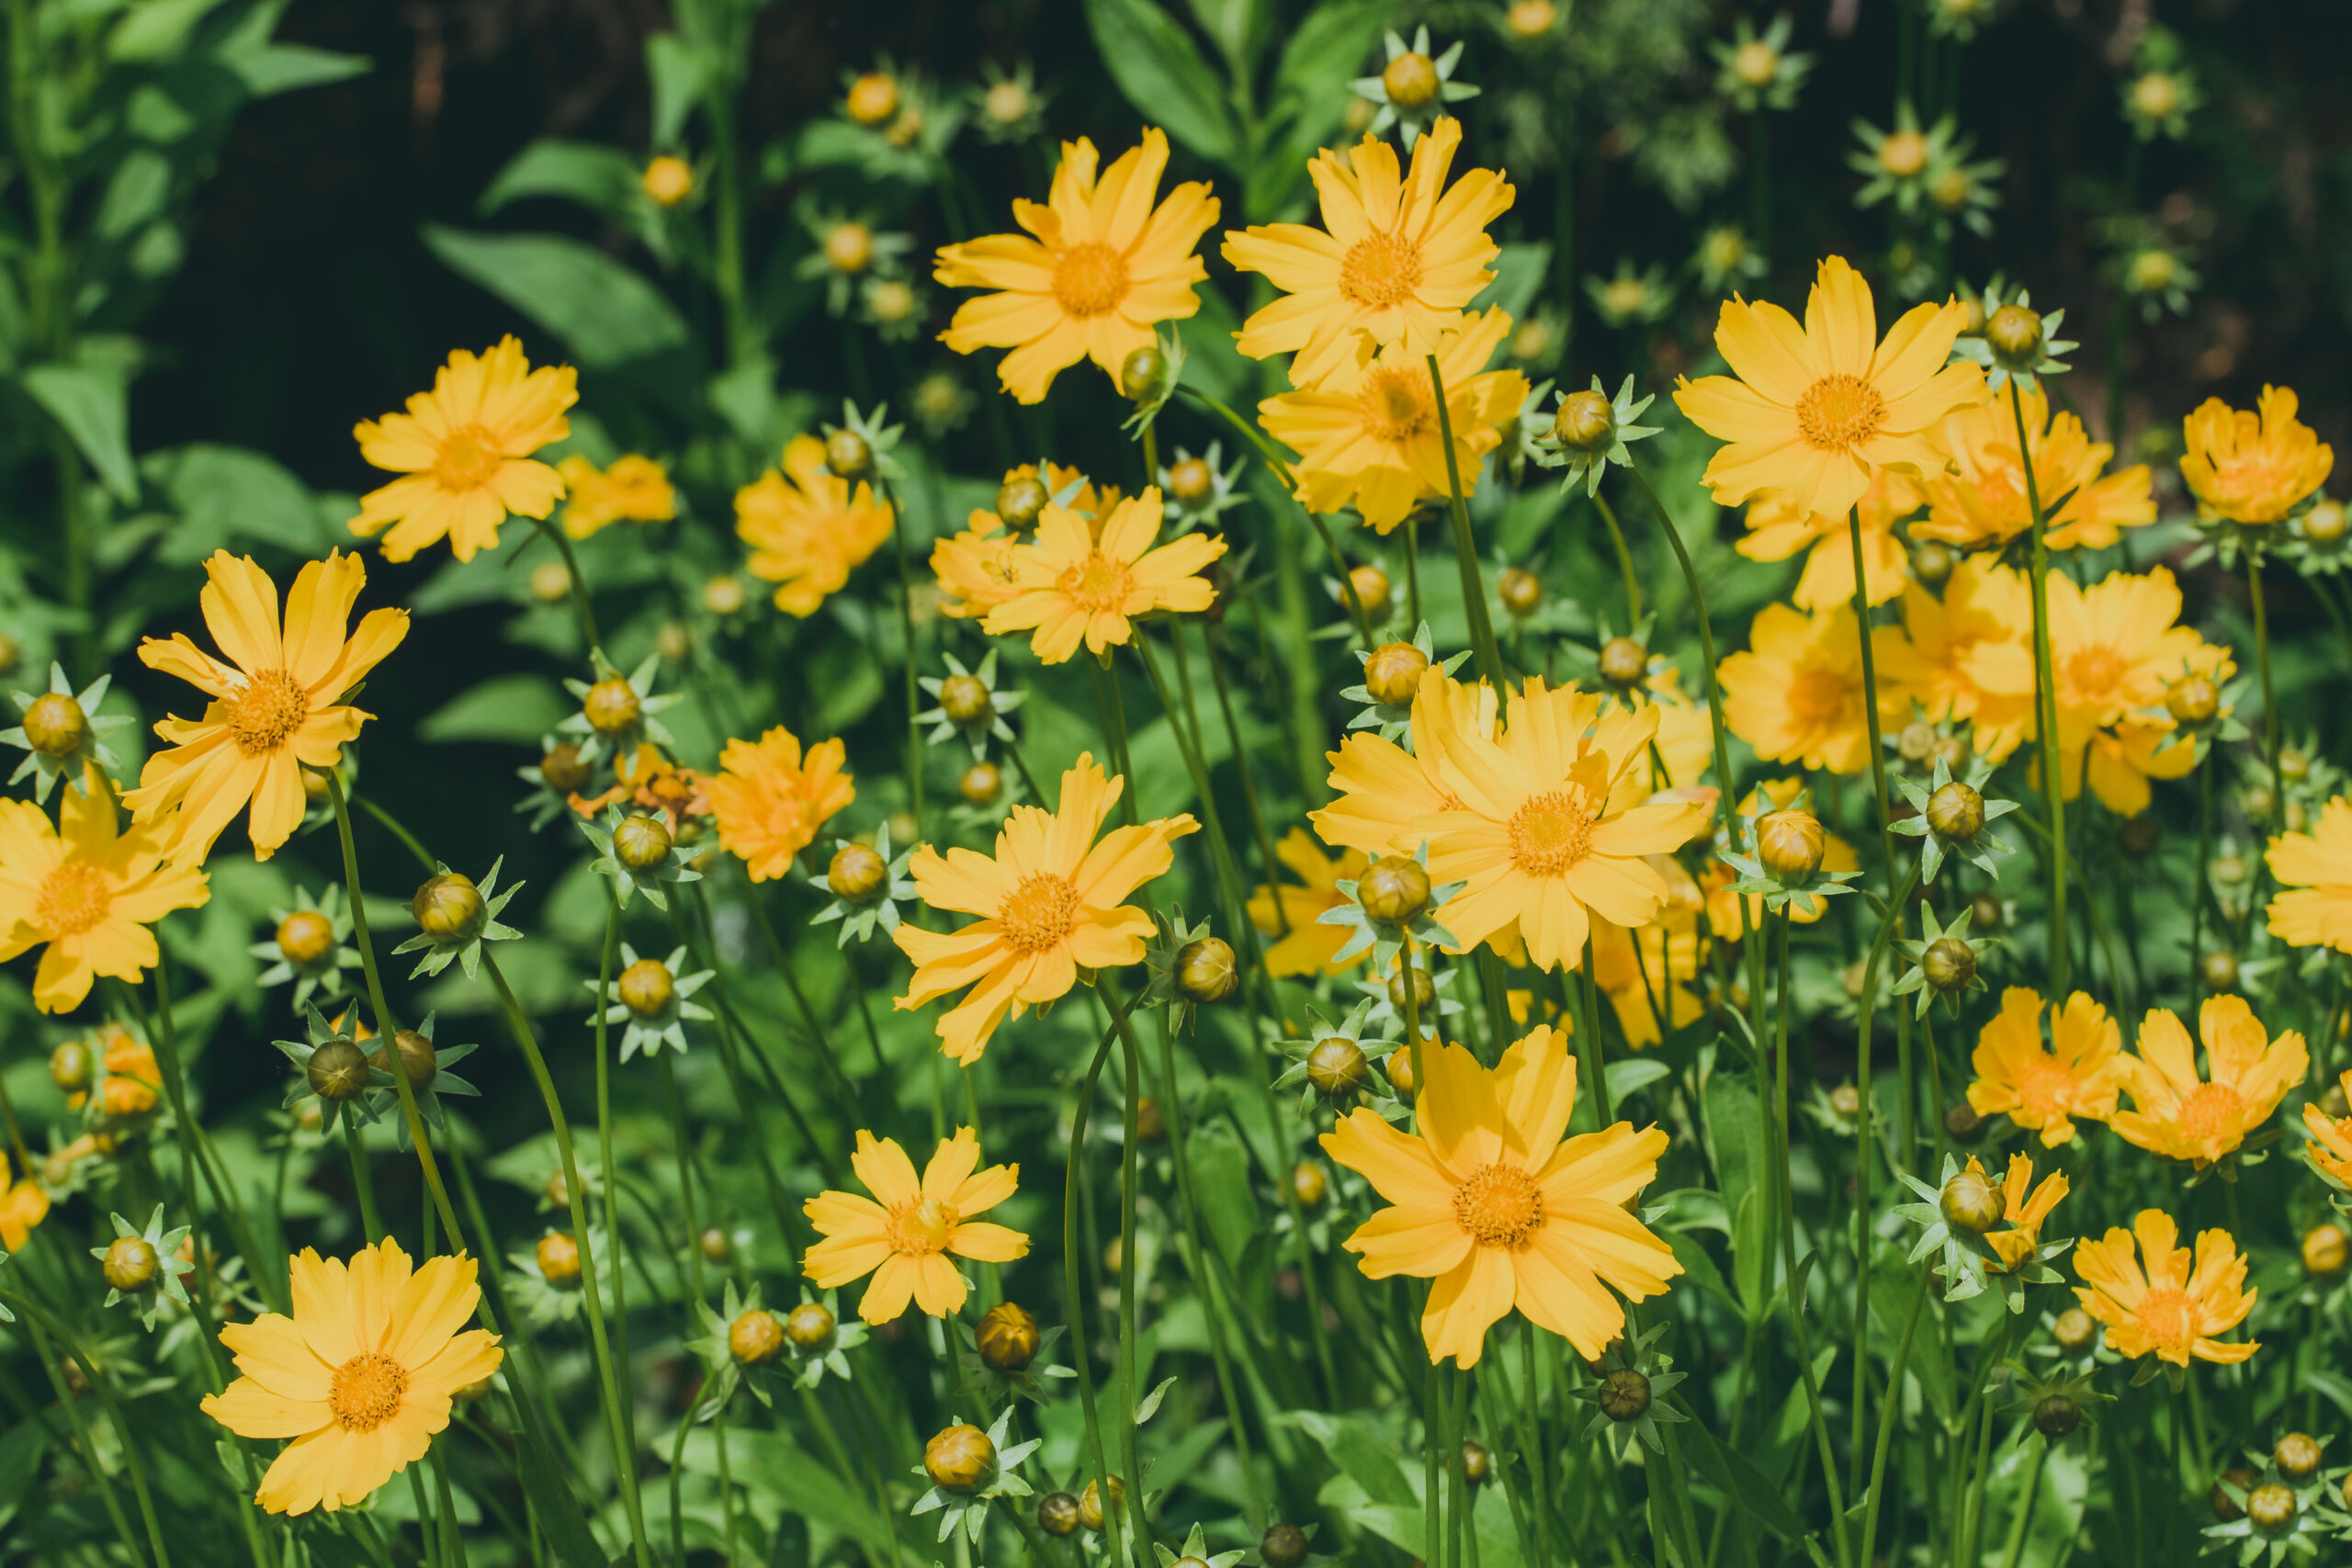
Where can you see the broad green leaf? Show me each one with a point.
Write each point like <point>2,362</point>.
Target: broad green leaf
<point>560,1516</point>
<point>601,178</point>
<point>285,67</point>
<point>1632,1075</point>
<point>91,402</point>
<point>678,71</point>
<point>225,494</point>
<point>518,708</point>
<point>1893,1284</point>
<point>1221,1182</point>
<point>1155,65</point>
<point>135,192</point>
<point>156,29</point>
<point>1736,1478</point>
<point>603,313</point>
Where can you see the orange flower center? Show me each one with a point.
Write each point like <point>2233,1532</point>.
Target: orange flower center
<point>1098,583</point>
<point>921,1228</point>
<point>1397,403</point>
<point>271,707</point>
<point>2095,672</point>
<point>1552,832</point>
<point>1499,1206</point>
<point>366,1390</point>
<point>1089,279</point>
<point>1838,413</point>
<point>74,899</point>
<point>469,458</point>
<point>1821,698</point>
<point>2167,1317</point>
<point>1040,912</point>
<point>1380,270</point>
<point>2044,1087</point>
<point>2210,1111</point>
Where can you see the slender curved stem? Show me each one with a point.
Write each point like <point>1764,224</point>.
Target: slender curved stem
<point>1465,551</point>
<point>1889,1413</point>
<point>1624,563</point>
<point>2269,699</point>
<point>1074,1303</point>
<point>563,542</point>
<point>131,1460</point>
<point>2046,709</point>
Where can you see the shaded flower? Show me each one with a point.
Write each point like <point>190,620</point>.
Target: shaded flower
<point>807,529</point>
<point>2042,1089</point>
<point>2181,1116</point>
<point>635,490</point>
<point>769,799</point>
<point>2166,1307</point>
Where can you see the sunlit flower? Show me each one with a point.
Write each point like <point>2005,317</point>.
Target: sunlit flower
<point>809,529</point>
<point>1777,530</point>
<point>974,567</point>
<point>2315,872</point>
<point>1083,581</point>
<point>464,450</point>
<point>1984,605</point>
<point>1491,1206</point>
<point>2170,1309</point>
<point>2181,1116</point>
<point>2331,1148</point>
<point>634,490</point>
<point>1796,693</point>
<point>1982,502</point>
<point>1384,791</point>
<point>769,799</point>
<point>1307,947</point>
<point>2041,1090</point>
<point>86,893</point>
<point>2253,467</point>
<point>905,1235</point>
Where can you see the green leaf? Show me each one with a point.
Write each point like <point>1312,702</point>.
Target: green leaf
<point>91,402</point>
<point>20,1453</point>
<point>1326,52</point>
<point>225,494</point>
<point>1372,1462</point>
<point>1732,1475</point>
<point>1632,1075</point>
<point>560,1516</point>
<point>276,68</point>
<point>1155,65</point>
<point>1893,1284</point>
<point>1221,1182</point>
<point>518,708</point>
<point>156,30</point>
<point>135,193</point>
<point>1520,272</point>
<point>678,71</point>
<point>603,179</point>
<point>605,313</point>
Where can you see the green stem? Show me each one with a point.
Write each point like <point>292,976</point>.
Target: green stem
<point>1465,551</point>
<point>2269,699</point>
<point>1624,564</point>
<point>2016,1551</point>
<point>1074,1302</point>
<point>1890,1412</point>
<point>2045,687</point>
<point>1870,700</point>
<point>579,607</point>
<point>907,636</point>
<point>131,1462</point>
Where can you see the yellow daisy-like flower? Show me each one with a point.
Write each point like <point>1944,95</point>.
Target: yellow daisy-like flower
<point>465,451</point>
<point>1493,1208</point>
<point>277,705</point>
<point>24,1203</point>
<point>1777,530</point>
<point>1105,266</point>
<point>1368,434</point>
<point>86,893</point>
<point>360,1376</point>
<point>2170,1309</point>
<point>2025,1208</point>
<point>1817,410</point>
<point>1084,582</point>
<point>974,567</point>
<point>1982,502</point>
<point>1048,904</point>
<point>2330,1149</point>
<point>1796,693</point>
<point>905,1235</point>
<point>2315,872</point>
<point>2253,467</point>
<point>2042,1089</point>
<point>1307,947</point>
<point>770,800</point>
<point>634,490</point>
<point>2181,1116</point>
<point>1383,790</point>
<point>809,529</point>
<point>1396,261</point>
<point>1984,605</point>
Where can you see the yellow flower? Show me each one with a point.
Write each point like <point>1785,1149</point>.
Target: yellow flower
<point>2042,1089</point>
<point>1400,261</point>
<point>465,451</point>
<point>1777,530</point>
<point>807,529</point>
<point>1368,434</point>
<point>2315,871</point>
<point>1048,904</point>
<point>1985,604</point>
<point>360,1376</point>
<point>2170,1309</point>
<point>2331,1149</point>
<point>770,800</point>
<point>634,490</point>
<point>24,1203</point>
<point>1796,693</point>
<point>132,1083</point>
<point>974,567</point>
<point>667,180</point>
<point>1385,790</point>
<point>1105,266</point>
<point>2252,468</point>
<point>904,1235</point>
<point>1497,1211</point>
<point>1082,582</point>
<point>1307,948</point>
<point>87,893</point>
<point>277,705</point>
<point>1984,503</point>
<point>1650,967</point>
<point>1817,410</point>
<point>2180,1116</point>
<point>2024,1208</point>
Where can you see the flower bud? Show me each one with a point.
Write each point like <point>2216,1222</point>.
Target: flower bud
<point>556,1189</point>
<point>2326,522</point>
<point>2014,334</point>
<point>418,1058</point>
<point>1020,500</point>
<point>1985,912</point>
<point>1916,741</point>
<point>2192,700</point>
<point>1410,80</point>
<point>1846,1101</point>
<point>1371,585</point>
<point>612,706</point>
<point>674,641</point>
<point>965,699</point>
<point>1008,1337</point>
<point>980,784</point>
<point>959,1459</point>
<point>1191,482</point>
<point>131,1264</point>
<point>1931,561</point>
<point>1282,1546</point>
<point>1420,997</point>
<point>1756,62</point>
<point>642,843</point>
<point>1308,1184</point>
<point>1336,1066</point>
<point>561,770</point>
<point>1520,591</point>
<point>1476,1466</point>
<point>2294,766</point>
<point>873,97</point>
<point>2055,1415</point>
<point>849,249</point>
<point>1963,1123</point>
<point>1951,188</point>
<point>1586,423</point>
<point>1903,154</point>
<point>558,1258</point>
<point>858,872</point>
<point>1393,673</point>
<point>550,583</point>
<point>646,988</point>
<point>1625,663</point>
<point>1090,1503</point>
<point>668,181</point>
<point>1969,1203</point>
<point>2156,95</point>
<point>1624,1394</point>
<point>1205,970</point>
<point>2074,1330</point>
<point>1143,375</point>
<point>2297,1457</point>
<point>11,652</point>
<point>1399,1068</point>
<point>337,1071</point>
<point>2219,970</point>
<point>755,1338</point>
<point>1956,813</point>
<point>2327,1250</point>
<point>55,724</point>
<point>1058,1514</point>
<point>71,1065</point>
<point>810,1327</point>
<point>1948,965</point>
<point>2271,1509</point>
<point>1393,890</point>
<point>848,455</point>
<point>715,1246</point>
<point>1791,843</point>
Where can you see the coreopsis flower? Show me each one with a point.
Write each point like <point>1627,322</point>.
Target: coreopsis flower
<point>2330,1148</point>
<point>62,732</point>
<point>1984,605</point>
<point>1048,904</point>
<point>1306,948</point>
<point>1397,260</point>
<point>361,1376</point>
<point>974,567</point>
<point>126,1081</point>
<point>1982,503</point>
<point>24,1204</point>
<point>2314,873</point>
<point>464,452</point>
<point>1959,1219</point>
<point>2042,1088</point>
<point>770,798</point>
<point>2181,1116</point>
<point>1777,530</point>
<point>905,1233</point>
<point>1815,411</point>
<point>2252,468</point>
<point>277,705</point>
<point>634,490</point>
<point>2167,1308</point>
<point>1490,1205</point>
<point>1385,791</point>
<point>1083,581</point>
<point>807,529</point>
<point>84,892</point>
<point>1106,266</point>
<point>1796,693</point>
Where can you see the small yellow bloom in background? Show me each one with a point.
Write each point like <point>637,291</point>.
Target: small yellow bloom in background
<point>1048,904</point>
<point>86,893</point>
<point>2042,1089</point>
<point>2315,872</point>
<point>277,705</point>
<point>1777,530</point>
<point>1306,950</point>
<point>360,1376</point>
<point>1984,605</point>
<point>1490,1205</point>
<point>464,450</point>
<point>2025,1208</point>
<point>1817,410</point>
<point>24,1203</point>
<point>1796,693</point>
<point>2330,1150</point>
<point>809,529</point>
<point>770,800</point>
<point>2181,1116</point>
<point>668,180</point>
<point>906,1232</point>
<point>1369,436</point>
<point>1983,504</point>
<point>634,490</point>
<point>1084,582</point>
<point>1646,967</point>
<point>1105,267</point>
<point>1401,260</point>
<point>2169,1309</point>
<point>2253,467</point>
